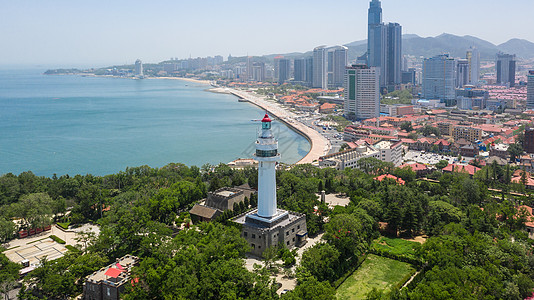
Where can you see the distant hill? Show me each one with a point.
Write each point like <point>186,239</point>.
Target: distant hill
<point>413,44</point>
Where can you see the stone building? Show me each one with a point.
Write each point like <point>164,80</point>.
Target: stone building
<point>109,282</point>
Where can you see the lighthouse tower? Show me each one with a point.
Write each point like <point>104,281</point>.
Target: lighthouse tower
<point>268,226</point>
<point>267,155</point>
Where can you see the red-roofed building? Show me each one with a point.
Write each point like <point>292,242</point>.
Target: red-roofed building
<point>389,176</point>
<point>419,169</point>
<point>469,169</point>
<point>327,108</point>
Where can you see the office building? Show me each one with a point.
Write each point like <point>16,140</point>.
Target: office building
<point>384,47</point>
<point>530,90</point>
<point>320,76</point>
<point>505,68</point>
<point>439,76</point>
<point>362,92</point>
<point>462,72</point>
<point>139,68</point>
<point>408,76</point>
<point>394,55</point>
<point>281,69</point>
<point>268,226</point>
<point>473,59</point>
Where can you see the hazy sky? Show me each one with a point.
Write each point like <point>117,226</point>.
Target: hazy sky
<point>100,33</point>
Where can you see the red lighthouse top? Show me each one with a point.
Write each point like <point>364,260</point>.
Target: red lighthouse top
<point>266,118</point>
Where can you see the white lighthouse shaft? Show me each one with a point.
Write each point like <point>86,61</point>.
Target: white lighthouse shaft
<point>266,189</point>
<point>267,156</point>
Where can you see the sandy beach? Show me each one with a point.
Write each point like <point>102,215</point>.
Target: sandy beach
<point>320,146</point>
<point>183,79</point>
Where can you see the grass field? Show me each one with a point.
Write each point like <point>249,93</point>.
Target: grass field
<point>396,246</point>
<point>375,272</point>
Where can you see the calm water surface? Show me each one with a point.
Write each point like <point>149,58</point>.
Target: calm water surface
<point>79,125</point>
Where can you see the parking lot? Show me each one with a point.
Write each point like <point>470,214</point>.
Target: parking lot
<point>430,158</point>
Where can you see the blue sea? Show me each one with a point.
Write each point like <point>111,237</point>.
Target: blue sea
<point>90,125</point>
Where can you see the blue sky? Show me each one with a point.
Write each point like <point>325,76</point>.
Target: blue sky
<point>99,33</point>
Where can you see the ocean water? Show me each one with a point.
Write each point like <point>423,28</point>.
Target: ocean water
<point>88,125</point>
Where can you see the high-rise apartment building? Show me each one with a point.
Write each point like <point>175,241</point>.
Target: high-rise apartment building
<point>384,46</point>
<point>473,59</point>
<point>337,61</point>
<point>320,76</point>
<point>530,90</point>
<point>138,68</point>
<point>439,76</point>
<point>282,68</point>
<point>249,69</point>
<point>462,72</point>
<point>505,66</point>
<point>299,69</point>
<point>362,92</point>
<point>258,71</point>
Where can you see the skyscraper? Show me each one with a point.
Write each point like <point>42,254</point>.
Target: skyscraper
<point>249,69</point>
<point>339,63</point>
<point>299,67</point>
<point>281,69</point>
<point>139,68</point>
<point>439,78</point>
<point>384,46</point>
<point>320,77</point>
<point>530,90</point>
<point>362,95</point>
<point>462,72</point>
<point>505,65</point>
<point>394,54</point>
<point>473,58</point>
<point>309,70</point>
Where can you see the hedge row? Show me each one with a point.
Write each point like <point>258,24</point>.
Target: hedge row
<point>57,240</point>
<point>407,259</point>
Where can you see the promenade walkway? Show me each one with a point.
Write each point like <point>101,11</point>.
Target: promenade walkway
<point>320,146</point>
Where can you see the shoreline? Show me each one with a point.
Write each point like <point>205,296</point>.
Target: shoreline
<point>320,146</point>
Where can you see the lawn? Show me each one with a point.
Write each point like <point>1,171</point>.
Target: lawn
<point>375,272</point>
<point>396,246</point>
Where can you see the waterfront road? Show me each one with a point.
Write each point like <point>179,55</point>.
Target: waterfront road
<point>319,144</point>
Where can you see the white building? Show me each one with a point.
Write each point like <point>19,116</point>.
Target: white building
<point>338,66</point>
<point>320,76</point>
<point>390,152</point>
<point>139,68</point>
<point>362,92</point>
<point>349,158</point>
<point>473,58</point>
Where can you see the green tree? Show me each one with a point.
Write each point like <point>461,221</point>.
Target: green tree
<point>7,229</point>
<point>442,164</point>
<point>321,261</point>
<point>9,275</point>
<point>407,126</point>
<point>515,150</point>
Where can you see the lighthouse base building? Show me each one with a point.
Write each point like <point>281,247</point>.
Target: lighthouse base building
<point>286,228</point>
<point>268,226</point>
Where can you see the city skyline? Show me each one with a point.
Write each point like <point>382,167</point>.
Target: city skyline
<point>64,33</point>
